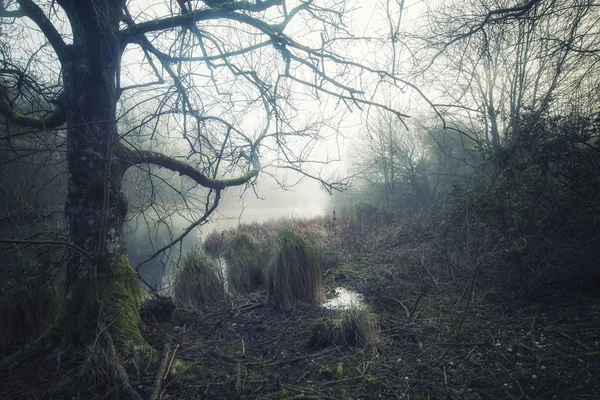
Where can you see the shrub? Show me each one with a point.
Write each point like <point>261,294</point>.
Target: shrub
<point>294,273</point>
<point>245,263</point>
<point>198,282</point>
<point>358,327</point>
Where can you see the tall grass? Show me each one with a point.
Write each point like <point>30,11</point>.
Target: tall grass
<point>199,282</point>
<point>245,263</point>
<point>214,244</point>
<point>26,311</point>
<point>294,274</point>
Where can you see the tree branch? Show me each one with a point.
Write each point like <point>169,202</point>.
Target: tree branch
<point>205,217</point>
<point>35,13</point>
<point>4,13</point>
<point>129,34</point>
<point>183,168</point>
<point>52,120</point>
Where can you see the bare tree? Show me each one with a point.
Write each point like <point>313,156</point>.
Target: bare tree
<point>411,162</point>
<point>218,86</point>
<point>491,62</point>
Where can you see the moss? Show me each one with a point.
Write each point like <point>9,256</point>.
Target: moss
<point>370,379</point>
<point>339,370</point>
<point>121,296</point>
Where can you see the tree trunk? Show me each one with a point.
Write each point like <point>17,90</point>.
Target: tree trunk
<point>96,208</point>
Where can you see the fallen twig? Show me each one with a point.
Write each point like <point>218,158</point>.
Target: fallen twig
<point>160,375</point>
<point>576,341</point>
<point>296,359</point>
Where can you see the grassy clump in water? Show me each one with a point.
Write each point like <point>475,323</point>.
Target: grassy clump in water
<point>358,327</point>
<point>199,281</point>
<point>294,274</point>
<point>245,263</point>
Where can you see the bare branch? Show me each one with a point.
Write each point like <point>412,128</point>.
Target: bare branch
<point>183,168</point>
<point>35,13</point>
<point>52,120</point>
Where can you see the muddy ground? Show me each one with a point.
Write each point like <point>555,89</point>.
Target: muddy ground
<point>432,345</point>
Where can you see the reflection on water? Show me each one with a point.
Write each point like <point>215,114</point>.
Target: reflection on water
<point>344,298</point>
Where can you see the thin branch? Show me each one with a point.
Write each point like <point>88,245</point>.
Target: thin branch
<point>51,242</point>
<point>35,13</point>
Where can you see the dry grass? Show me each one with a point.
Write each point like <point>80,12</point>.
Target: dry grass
<point>246,263</point>
<point>26,311</point>
<point>294,274</point>
<point>266,233</point>
<point>214,244</point>
<point>199,282</point>
<point>359,327</point>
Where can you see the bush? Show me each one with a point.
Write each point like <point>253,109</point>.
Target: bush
<point>245,263</point>
<point>358,327</point>
<point>294,273</point>
<point>199,281</point>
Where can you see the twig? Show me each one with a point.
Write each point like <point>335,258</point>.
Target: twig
<point>294,360</point>
<point>532,326</point>
<point>223,357</point>
<point>164,363</point>
<point>463,344</point>
<point>171,362</point>
<point>399,302</point>
<point>576,341</point>
<point>414,309</point>
<point>340,381</point>
<point>49,242</point>
<point>238,375</point>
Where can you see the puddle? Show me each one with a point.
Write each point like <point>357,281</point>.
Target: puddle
<point>344,298</point>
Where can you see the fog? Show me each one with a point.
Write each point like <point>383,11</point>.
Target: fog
<point>265,201</point>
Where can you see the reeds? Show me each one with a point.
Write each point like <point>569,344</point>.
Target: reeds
<point>246,263</point>
<point>199,282</point>
<point>294,274</point>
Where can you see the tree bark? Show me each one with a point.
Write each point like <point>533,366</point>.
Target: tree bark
<point>96,207</point>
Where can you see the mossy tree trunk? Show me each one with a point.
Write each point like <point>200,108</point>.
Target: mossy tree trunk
<point>96,208</point>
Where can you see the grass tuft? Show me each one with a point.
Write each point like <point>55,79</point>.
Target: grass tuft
<point>294,274</point>
<point>245,263</point>
<point>199,282</point>
<point>359,327</point>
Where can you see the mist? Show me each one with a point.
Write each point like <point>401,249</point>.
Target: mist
<point>145,234</point>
